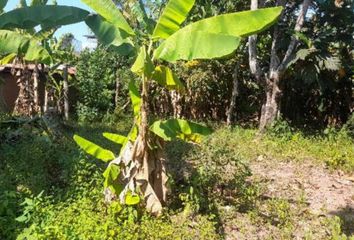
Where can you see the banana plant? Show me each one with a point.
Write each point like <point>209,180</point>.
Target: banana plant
<point>138,173</point>
<point>139,169</point>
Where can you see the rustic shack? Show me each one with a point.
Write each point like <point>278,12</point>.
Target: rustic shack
<point>9,88</point>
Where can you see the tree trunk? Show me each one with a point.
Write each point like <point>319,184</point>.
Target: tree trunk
<point>37,106</point>
<point>143,163</point>
<point>175,100</point>
<point>46,98</point>
<point>270,108</point>
<point>117,90</point>
<point>66,93</point>
<point>231,111</point>
<point>252,49</point>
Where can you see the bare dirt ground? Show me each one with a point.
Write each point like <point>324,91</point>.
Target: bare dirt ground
<point>313,194</point>
<point>325,192</point>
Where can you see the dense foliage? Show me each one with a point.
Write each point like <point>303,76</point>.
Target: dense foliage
<point>50,189</point>
<point>97,73</point>
<point>59,195</point>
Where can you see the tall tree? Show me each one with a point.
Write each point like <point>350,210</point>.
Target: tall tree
<point>278,64</point>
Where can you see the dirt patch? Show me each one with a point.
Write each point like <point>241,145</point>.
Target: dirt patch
<point>325,192</point>
<point>298,201</point>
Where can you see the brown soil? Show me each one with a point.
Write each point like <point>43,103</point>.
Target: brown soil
<point>314,194</point>
<point>325,192</point>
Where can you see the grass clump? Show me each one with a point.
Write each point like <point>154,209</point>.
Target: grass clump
<point>336,149</point>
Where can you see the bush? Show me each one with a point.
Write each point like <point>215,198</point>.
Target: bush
<point>349,126</point>
<point>90,218</point>
<point>281,128</point>
<point>51,190</point>
<point>97,72</point>
<point>212,175</point>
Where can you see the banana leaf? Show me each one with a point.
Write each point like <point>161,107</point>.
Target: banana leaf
<point>109,35</point>
<point>93,149</point>
<point>214,37</point>
<point>177,128</point>
<point>16,43</point>
<point>108,10</point>
<point>174,14</point>
<point>48,16</point>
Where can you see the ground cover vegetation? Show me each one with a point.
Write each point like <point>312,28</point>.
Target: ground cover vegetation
<point>272,156</point>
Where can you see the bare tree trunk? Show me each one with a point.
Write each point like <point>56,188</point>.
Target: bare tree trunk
<point>271,107</point>
<point>252,49</point>
<point>35,74</point>
<point>117,90</point>
<point>66,93</point>
<point>235,92</point>
<point>46,98</point>
<point>175,100</point>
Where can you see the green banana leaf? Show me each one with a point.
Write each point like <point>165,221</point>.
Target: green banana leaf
<point>108,10</point>
<point>93,149</point>
<point>47,16</point>
<point>212,37</point>
<point>133,134</point>
<point>135,98</point>
<point>7,59</point>
<point>143,64</point>
<point>166,78</point>
<point>177,128</point>
<point>111,174</point>
<point>44,34</point>
<point>174,14</point>
<point>138,11</point>
<point>187,45</point>
<point>2,4</point>
<point>38,2</point>
<point>131,199</point>
<point>109,35</point>
<point>12,42</point>
<point>116,138</point>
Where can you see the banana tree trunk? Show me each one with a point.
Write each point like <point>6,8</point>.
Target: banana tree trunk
<point>143,163</point>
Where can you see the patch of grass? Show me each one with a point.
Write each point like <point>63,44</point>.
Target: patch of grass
<point>213,194</point>
<point>52,190</point>
<point>336,150</point>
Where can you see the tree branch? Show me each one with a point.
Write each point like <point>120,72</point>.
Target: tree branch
<point>274,59</point>
<point>293,43</point>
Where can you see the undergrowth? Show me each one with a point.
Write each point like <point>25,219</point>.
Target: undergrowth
<point>51,190</point>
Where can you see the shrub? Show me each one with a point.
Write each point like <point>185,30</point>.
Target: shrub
<point>349,126</point>
<point>90,218</point>
<point>213,174</point>
<point>96,83</point>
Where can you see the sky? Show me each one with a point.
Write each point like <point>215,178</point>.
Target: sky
<point>79,29</point>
